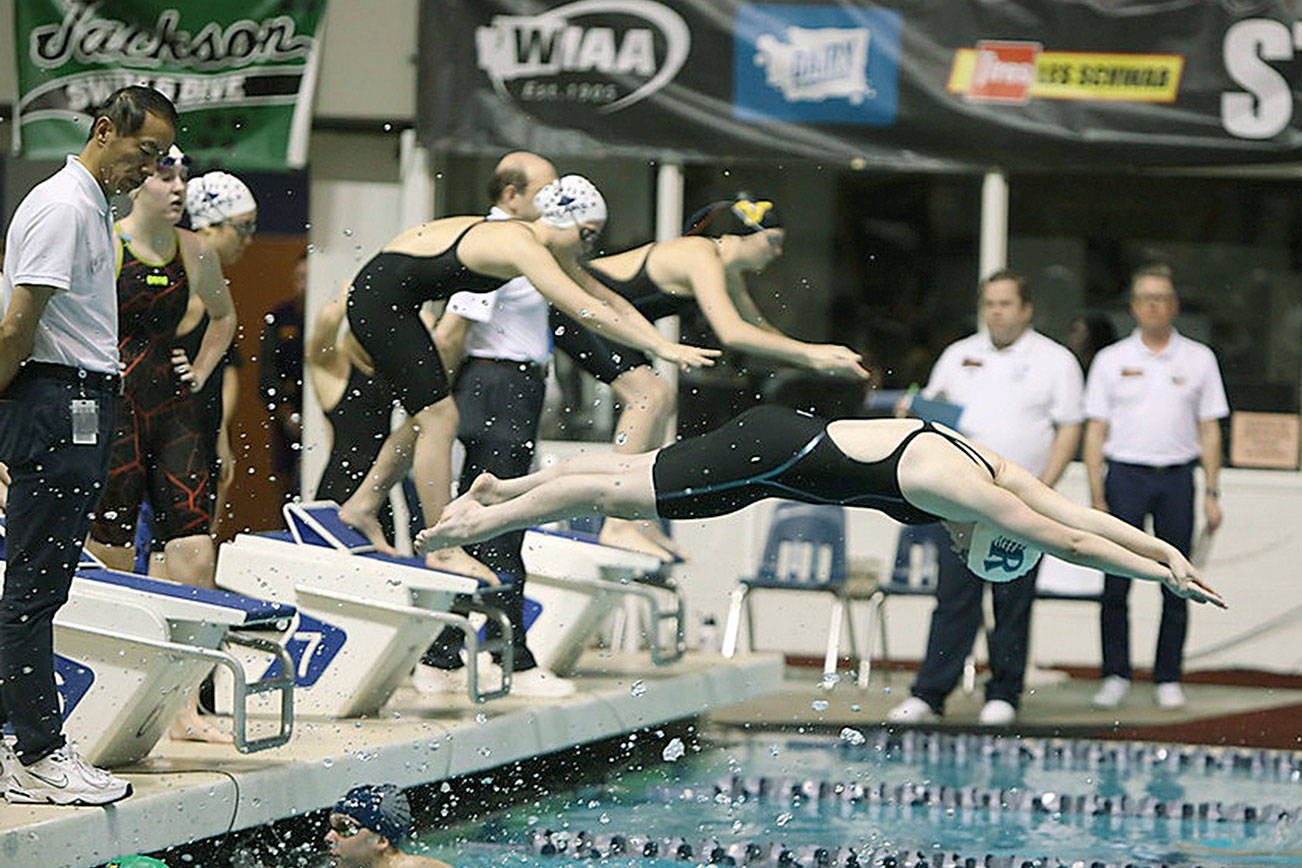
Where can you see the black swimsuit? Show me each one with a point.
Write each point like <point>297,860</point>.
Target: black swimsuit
<point>603,358</point>
<point>776,452</point>
<point>384,304</point>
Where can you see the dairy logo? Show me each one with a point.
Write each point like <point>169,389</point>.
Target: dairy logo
<point>607,53</point>
<point>830,64</point>
<point>814,65</point>
<point>1004,71</point>
<point>752,212</point>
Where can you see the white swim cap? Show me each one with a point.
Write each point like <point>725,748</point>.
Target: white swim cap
<point>570,201</point>
<point>217,197</point>
<point>997,557</point>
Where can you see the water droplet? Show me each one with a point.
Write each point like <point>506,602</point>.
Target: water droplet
<point>852,736</point>
<point>819,705</point>
<point>783,819</point>
<point>674,750</point>
<point>327,763</point>
<point>638,688</point>
<point>348,233</point>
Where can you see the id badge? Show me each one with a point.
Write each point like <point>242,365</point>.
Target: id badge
<point>85,421</point>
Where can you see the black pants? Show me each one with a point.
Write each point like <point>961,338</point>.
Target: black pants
<point>55,485</point>
<point>499,404</point>
<point>1133,492</point>
<point>954,625</point>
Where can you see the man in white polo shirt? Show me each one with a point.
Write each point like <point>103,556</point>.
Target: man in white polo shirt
<point>1021,396</point>
<point>501,341</point>
<point>59,383</point>
<point>1154,401</point>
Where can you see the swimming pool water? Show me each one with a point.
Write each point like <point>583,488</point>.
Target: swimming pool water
<point>1095,802</point>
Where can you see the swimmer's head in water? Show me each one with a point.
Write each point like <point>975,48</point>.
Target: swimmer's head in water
<point>741,216</point>
<point>217,197</point>
<point>997,557</point>
<point>382,808</point>
<point>569,201</point>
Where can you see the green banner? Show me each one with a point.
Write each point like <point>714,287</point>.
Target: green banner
<point>241,72</point>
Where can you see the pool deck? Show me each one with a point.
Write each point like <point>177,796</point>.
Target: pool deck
<point>187,791</point>
<point>1214,714</point>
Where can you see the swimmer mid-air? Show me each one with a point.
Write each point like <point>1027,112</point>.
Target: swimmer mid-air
<point>987,503</point>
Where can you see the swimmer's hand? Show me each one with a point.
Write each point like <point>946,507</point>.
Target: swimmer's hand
<point>837,360</point>
<point>1191,586</point>
<point>688,357</point>
<point>185,371</point>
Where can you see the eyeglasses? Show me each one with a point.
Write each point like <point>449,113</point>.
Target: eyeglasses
<point>345,828</point>
<point>245,227</point>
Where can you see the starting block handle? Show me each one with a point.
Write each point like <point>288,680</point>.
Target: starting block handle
<point>677,615</point>
<point>242,689</point>
<point>503,645</point>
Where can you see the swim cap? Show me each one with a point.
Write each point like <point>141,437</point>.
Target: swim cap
<point>997,557</point>
<point>570,201</point>
<point>740,216</point>
<point>216,197</point>
<point>382,808</point>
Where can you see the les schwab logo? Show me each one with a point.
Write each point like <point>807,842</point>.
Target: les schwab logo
<point>606,53</point>
<point>1017,72</point>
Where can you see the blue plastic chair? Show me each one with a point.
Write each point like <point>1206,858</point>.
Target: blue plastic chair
<point>805,551</point>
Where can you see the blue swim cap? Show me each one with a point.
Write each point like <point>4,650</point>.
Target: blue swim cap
<point>382,808</point>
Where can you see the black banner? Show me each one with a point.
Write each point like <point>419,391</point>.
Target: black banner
<point>1035,84</point>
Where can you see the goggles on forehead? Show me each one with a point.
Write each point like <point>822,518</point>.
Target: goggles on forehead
<point>345,827</point>
<point>244,227</point>
<point>172,161</point>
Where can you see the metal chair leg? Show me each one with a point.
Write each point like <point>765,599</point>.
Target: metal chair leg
<point>733,627</point>
<point>866,661</point>
<point>833,641</point>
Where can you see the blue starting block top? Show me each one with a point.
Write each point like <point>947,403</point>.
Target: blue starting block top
<point>318,524</point>
<point>246,611</point>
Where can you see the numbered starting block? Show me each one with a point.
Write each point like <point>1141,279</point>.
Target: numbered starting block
<point>364,618</point>
<point>130,649</point>
<point>579,584</point>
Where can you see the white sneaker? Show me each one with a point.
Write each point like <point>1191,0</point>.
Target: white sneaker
<point>997,712</point>
<point>1169,694</point>
<point>912,710</point>
<point>541,683</point>
<point>429,680</point>
<point>1111,692</point>
<point>64,778</point>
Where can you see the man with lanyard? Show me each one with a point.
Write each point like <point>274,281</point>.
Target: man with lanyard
<point>1154,402</point>
<point>59,386</point>
<point>1021,396</point>
<point>502,343</point>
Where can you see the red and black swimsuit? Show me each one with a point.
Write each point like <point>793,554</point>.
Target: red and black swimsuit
<point>159,447</point>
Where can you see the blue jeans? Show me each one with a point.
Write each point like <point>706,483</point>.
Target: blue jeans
<point>1133,492</point>
<point>55,485</point>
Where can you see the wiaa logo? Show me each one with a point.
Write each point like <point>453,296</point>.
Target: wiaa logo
<point>1005,554</point>
<point>606,53</point>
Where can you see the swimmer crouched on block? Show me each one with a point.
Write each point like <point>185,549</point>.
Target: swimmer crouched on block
<point>999,515</point>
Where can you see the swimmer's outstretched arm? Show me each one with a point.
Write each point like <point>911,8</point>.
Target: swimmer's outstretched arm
<point>1049,502</point>
<point>970,498</point>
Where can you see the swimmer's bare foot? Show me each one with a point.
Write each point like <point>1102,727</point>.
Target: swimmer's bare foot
<point>457,560</point>
<point>624,534</point>
<point>369,524</point>
<point>190,725</point>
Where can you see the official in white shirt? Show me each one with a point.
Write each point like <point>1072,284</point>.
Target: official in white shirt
<point>59,386</point>
<point>1154,402</point>
<point>502,342</point>
<point>1021,396</point>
